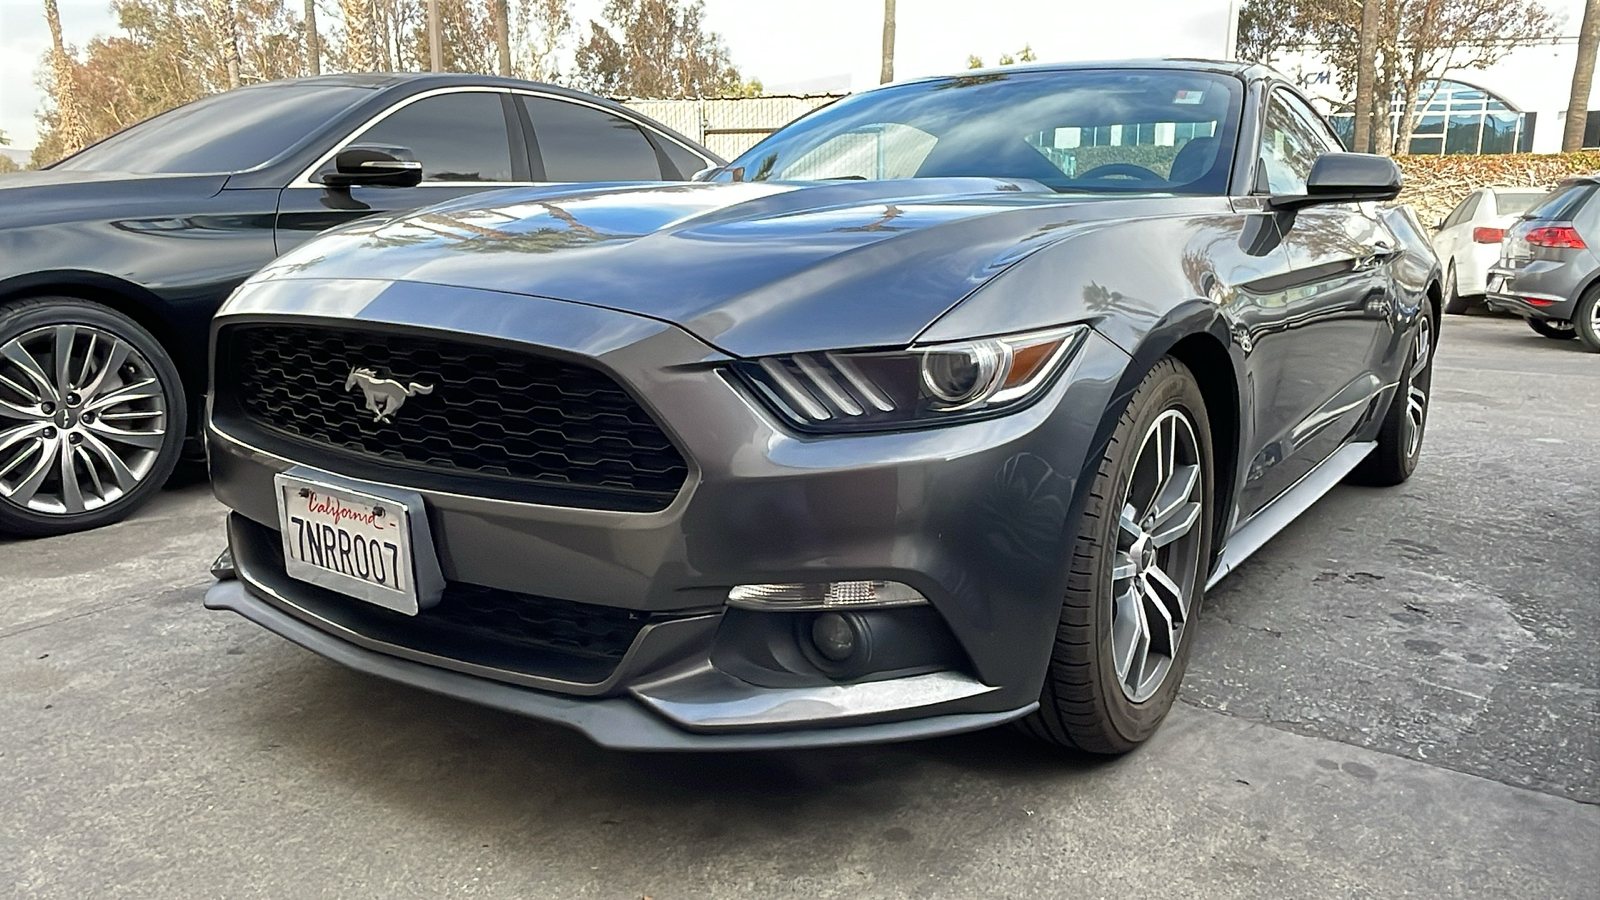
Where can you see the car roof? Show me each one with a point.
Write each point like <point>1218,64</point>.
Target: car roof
<point>419,81</point>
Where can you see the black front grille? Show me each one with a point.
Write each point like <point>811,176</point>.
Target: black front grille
<point>491,411</point>
<point>545,623</point>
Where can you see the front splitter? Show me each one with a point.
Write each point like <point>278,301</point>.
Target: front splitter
<point>619,723</point>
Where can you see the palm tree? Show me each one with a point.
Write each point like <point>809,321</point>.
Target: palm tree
<point>74,133</point>
<point>1582,79</point>
<point>886,74</point>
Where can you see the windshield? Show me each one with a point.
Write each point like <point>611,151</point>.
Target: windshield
<point>227,132</point>
<point>1097,130</point>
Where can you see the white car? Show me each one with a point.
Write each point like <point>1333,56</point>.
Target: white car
<point>1468,240</point>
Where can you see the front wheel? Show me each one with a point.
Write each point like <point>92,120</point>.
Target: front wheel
<point>1136,576</point>
<point>1555,329</point>
<point>1400,435</point>
<point>92,416</point>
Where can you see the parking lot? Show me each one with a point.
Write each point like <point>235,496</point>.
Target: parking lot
<point>1399,696</point>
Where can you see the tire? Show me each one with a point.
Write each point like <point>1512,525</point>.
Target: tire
<point>118,430</point>
<point>1406,420</point>
<point>1093,699</point>
<point>1586,319</point>
<point>1454,303</point>
<point>1554,329</point>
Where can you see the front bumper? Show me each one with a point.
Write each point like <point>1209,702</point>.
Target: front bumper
<point>975,517</point>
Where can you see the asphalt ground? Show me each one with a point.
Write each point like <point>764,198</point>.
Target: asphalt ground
<point>1398,697</point>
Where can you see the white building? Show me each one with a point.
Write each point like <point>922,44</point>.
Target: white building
<point>1518,104</point>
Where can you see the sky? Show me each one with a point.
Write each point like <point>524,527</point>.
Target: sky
<point>788,45</point>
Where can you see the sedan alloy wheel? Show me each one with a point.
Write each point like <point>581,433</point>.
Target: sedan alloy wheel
<point>90,418</point>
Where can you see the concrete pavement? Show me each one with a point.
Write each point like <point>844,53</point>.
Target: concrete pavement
<point>1400,696</point>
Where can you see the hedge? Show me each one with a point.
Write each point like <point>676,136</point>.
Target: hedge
<point>1435,184</point>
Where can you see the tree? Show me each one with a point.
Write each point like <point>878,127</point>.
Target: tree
<point>659,49</point>
<point>502,34</point>
<point>1582,79</point>
<point>1418,42</point>
<point>886,72</point>
<point>1366,72</point>
<point>313,40</point>
<point>1025,55</point>
<point>164,53</point>
<point>73,134</point>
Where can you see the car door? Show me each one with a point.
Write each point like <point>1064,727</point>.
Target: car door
<point>1315,344</point>
<point>461,137</point>
<point>1456,231</point>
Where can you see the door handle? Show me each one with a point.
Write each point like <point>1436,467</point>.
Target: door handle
<point>1380,252</point>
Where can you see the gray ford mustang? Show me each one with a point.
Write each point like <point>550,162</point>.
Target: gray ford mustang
<point>938,409</point>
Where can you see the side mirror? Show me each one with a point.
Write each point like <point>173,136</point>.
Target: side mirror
<point>368,164</point>
<point>1345,178</point>
<point>1438,224</point>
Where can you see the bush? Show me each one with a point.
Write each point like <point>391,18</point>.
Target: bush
<point>1435,184</point>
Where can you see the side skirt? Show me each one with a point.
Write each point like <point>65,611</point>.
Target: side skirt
<point>1275,516</point>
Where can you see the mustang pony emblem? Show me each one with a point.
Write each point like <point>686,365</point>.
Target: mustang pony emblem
<point>384,396</point>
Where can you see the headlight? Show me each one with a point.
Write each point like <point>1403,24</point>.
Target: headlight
<point>866,390</point>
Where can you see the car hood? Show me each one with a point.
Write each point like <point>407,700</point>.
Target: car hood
<point>50,194</point>
<point>751,268</point>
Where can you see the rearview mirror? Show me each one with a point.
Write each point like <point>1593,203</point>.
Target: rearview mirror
<point>1345,178</point>
<point>369,164</point>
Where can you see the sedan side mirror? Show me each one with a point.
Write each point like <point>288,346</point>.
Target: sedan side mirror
<point>369,164</point>
<point>1345,178</point>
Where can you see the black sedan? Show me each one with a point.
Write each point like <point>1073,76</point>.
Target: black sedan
<point>112,261</point>
<point>940,408</point>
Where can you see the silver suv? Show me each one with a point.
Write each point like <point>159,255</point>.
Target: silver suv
<point>1547,272</point>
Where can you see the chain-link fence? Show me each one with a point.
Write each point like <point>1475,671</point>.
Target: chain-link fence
<point>730,126</point>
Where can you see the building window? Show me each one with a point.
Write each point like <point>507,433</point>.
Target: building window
<point>1456,118</point>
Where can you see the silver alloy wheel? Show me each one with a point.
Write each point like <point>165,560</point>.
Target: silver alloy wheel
<point>1158,555</point>
<point>1417,386</point>
<point>1594,318</point>
<point>83,418</point>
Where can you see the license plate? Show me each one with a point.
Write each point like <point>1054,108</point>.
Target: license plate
<point>349,541</point>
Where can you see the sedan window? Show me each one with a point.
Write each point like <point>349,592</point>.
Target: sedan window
<point>582,143</point>
<point>459,136</point>
<point>228,132</point>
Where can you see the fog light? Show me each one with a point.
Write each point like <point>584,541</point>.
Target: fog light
<point>833,637</point>
<point>825,595</point>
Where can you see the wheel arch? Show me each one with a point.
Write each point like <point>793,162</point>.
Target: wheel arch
<point>1198,336</point>
<point>133,301</point>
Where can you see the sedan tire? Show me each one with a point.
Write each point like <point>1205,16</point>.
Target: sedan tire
<point>1454,303</point>
<point>1137,574</point>
<point>92,416</point>
<point>1554,329</point>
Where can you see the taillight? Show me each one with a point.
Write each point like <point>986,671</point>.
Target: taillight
<point>1559,236</point>
<point>1487,235</point>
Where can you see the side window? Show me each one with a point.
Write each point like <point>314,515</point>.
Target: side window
<point>1290,145</point>
<point>582,143</point>
<point>457,137</point>
<point>1470,208</point>
<point>686,161</point>
<point>1462,212</point>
